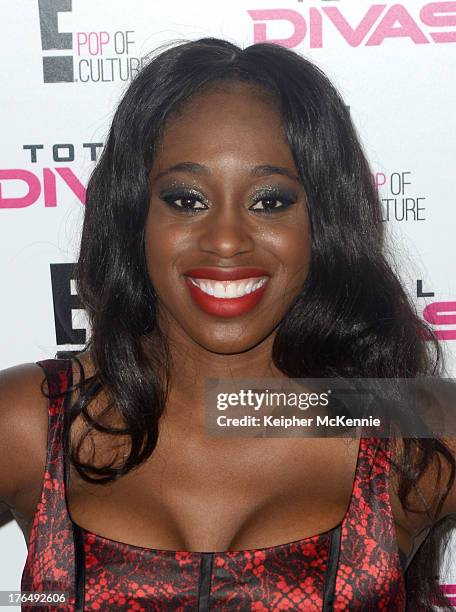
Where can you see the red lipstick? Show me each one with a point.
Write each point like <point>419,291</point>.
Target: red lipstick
<point>226,306</point>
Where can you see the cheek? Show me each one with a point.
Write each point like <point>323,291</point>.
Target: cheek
<point>299,242</point>
<point>292,246</point>
<point>299,246</point>
<point>158,249</point>
<point>153,249</point>
<point>165,245</point>
<point>295,252</point>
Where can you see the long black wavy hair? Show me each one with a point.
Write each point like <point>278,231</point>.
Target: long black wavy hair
<point>352,318</point>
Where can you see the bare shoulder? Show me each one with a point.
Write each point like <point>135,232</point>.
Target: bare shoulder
<point>23,431</point>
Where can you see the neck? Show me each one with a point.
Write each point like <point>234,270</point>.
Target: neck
<point>192,364</point>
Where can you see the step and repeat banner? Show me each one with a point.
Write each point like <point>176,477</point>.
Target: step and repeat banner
<point>66,63</point>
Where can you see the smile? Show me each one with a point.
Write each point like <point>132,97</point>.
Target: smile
<point>231,289</point>
<point>227,298</point>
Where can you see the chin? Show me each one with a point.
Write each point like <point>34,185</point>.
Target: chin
<point>229,344</point>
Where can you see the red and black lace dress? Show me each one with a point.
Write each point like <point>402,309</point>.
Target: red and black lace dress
<point>354,566</point>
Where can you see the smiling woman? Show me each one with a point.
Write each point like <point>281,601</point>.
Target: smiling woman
<point>232,229</point>
<point>236,212</point>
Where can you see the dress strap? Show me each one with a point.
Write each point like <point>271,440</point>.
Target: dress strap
<point>59,379</point>
<point>369,554</point>
<point>50,559</point>
<point>58,374</point>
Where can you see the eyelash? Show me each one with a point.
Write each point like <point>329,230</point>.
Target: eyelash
<point>271,194</point>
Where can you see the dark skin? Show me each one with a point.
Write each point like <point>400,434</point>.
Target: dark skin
<point>197,493</point>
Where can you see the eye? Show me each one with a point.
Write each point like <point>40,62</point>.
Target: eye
<point>184,201</point>
<point>268,204</point>
<point>273,201</point>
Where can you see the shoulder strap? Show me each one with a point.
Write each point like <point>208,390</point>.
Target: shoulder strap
<point>369,564</point>
<point>49,565</point>
<point>58,373</point>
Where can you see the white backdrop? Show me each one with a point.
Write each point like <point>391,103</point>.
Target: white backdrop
<point>65,64</point>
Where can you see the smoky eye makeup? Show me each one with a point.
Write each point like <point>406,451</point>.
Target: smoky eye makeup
<point>272,199</point>
<point>182,198</point>
<point>268,199</point>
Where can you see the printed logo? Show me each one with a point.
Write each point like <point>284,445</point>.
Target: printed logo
<point>56,68</point>
<point>23,187</point>
<point>441,313</point>
<point>100,56</point>
<point>435,23</point>
<point>66,303</point>
<point>401,202</point>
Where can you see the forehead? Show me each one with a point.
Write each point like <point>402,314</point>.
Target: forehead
<point>231,120</point>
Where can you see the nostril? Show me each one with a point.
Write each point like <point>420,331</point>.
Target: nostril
<point>226,241</point>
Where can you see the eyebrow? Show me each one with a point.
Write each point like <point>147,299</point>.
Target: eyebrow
<point>201,170</point>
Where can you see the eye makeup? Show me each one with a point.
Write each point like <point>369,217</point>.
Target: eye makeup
<point>284,197</point>
<point>187,198</point>
<point>265,200</point>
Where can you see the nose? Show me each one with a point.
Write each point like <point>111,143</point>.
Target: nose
<point>226,233</point>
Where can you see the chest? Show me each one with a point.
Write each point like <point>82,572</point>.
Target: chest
<point>222,496</point>
<point>199,499</point>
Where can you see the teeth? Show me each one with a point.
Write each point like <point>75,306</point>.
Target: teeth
<point>229,289</point>
<point>219,290</point>
<point>241,289</point>
<point>207,288</point>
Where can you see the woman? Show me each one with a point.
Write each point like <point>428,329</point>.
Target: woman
<point>226,168</point>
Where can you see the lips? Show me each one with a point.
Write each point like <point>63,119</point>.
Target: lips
<point>227,292</point>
